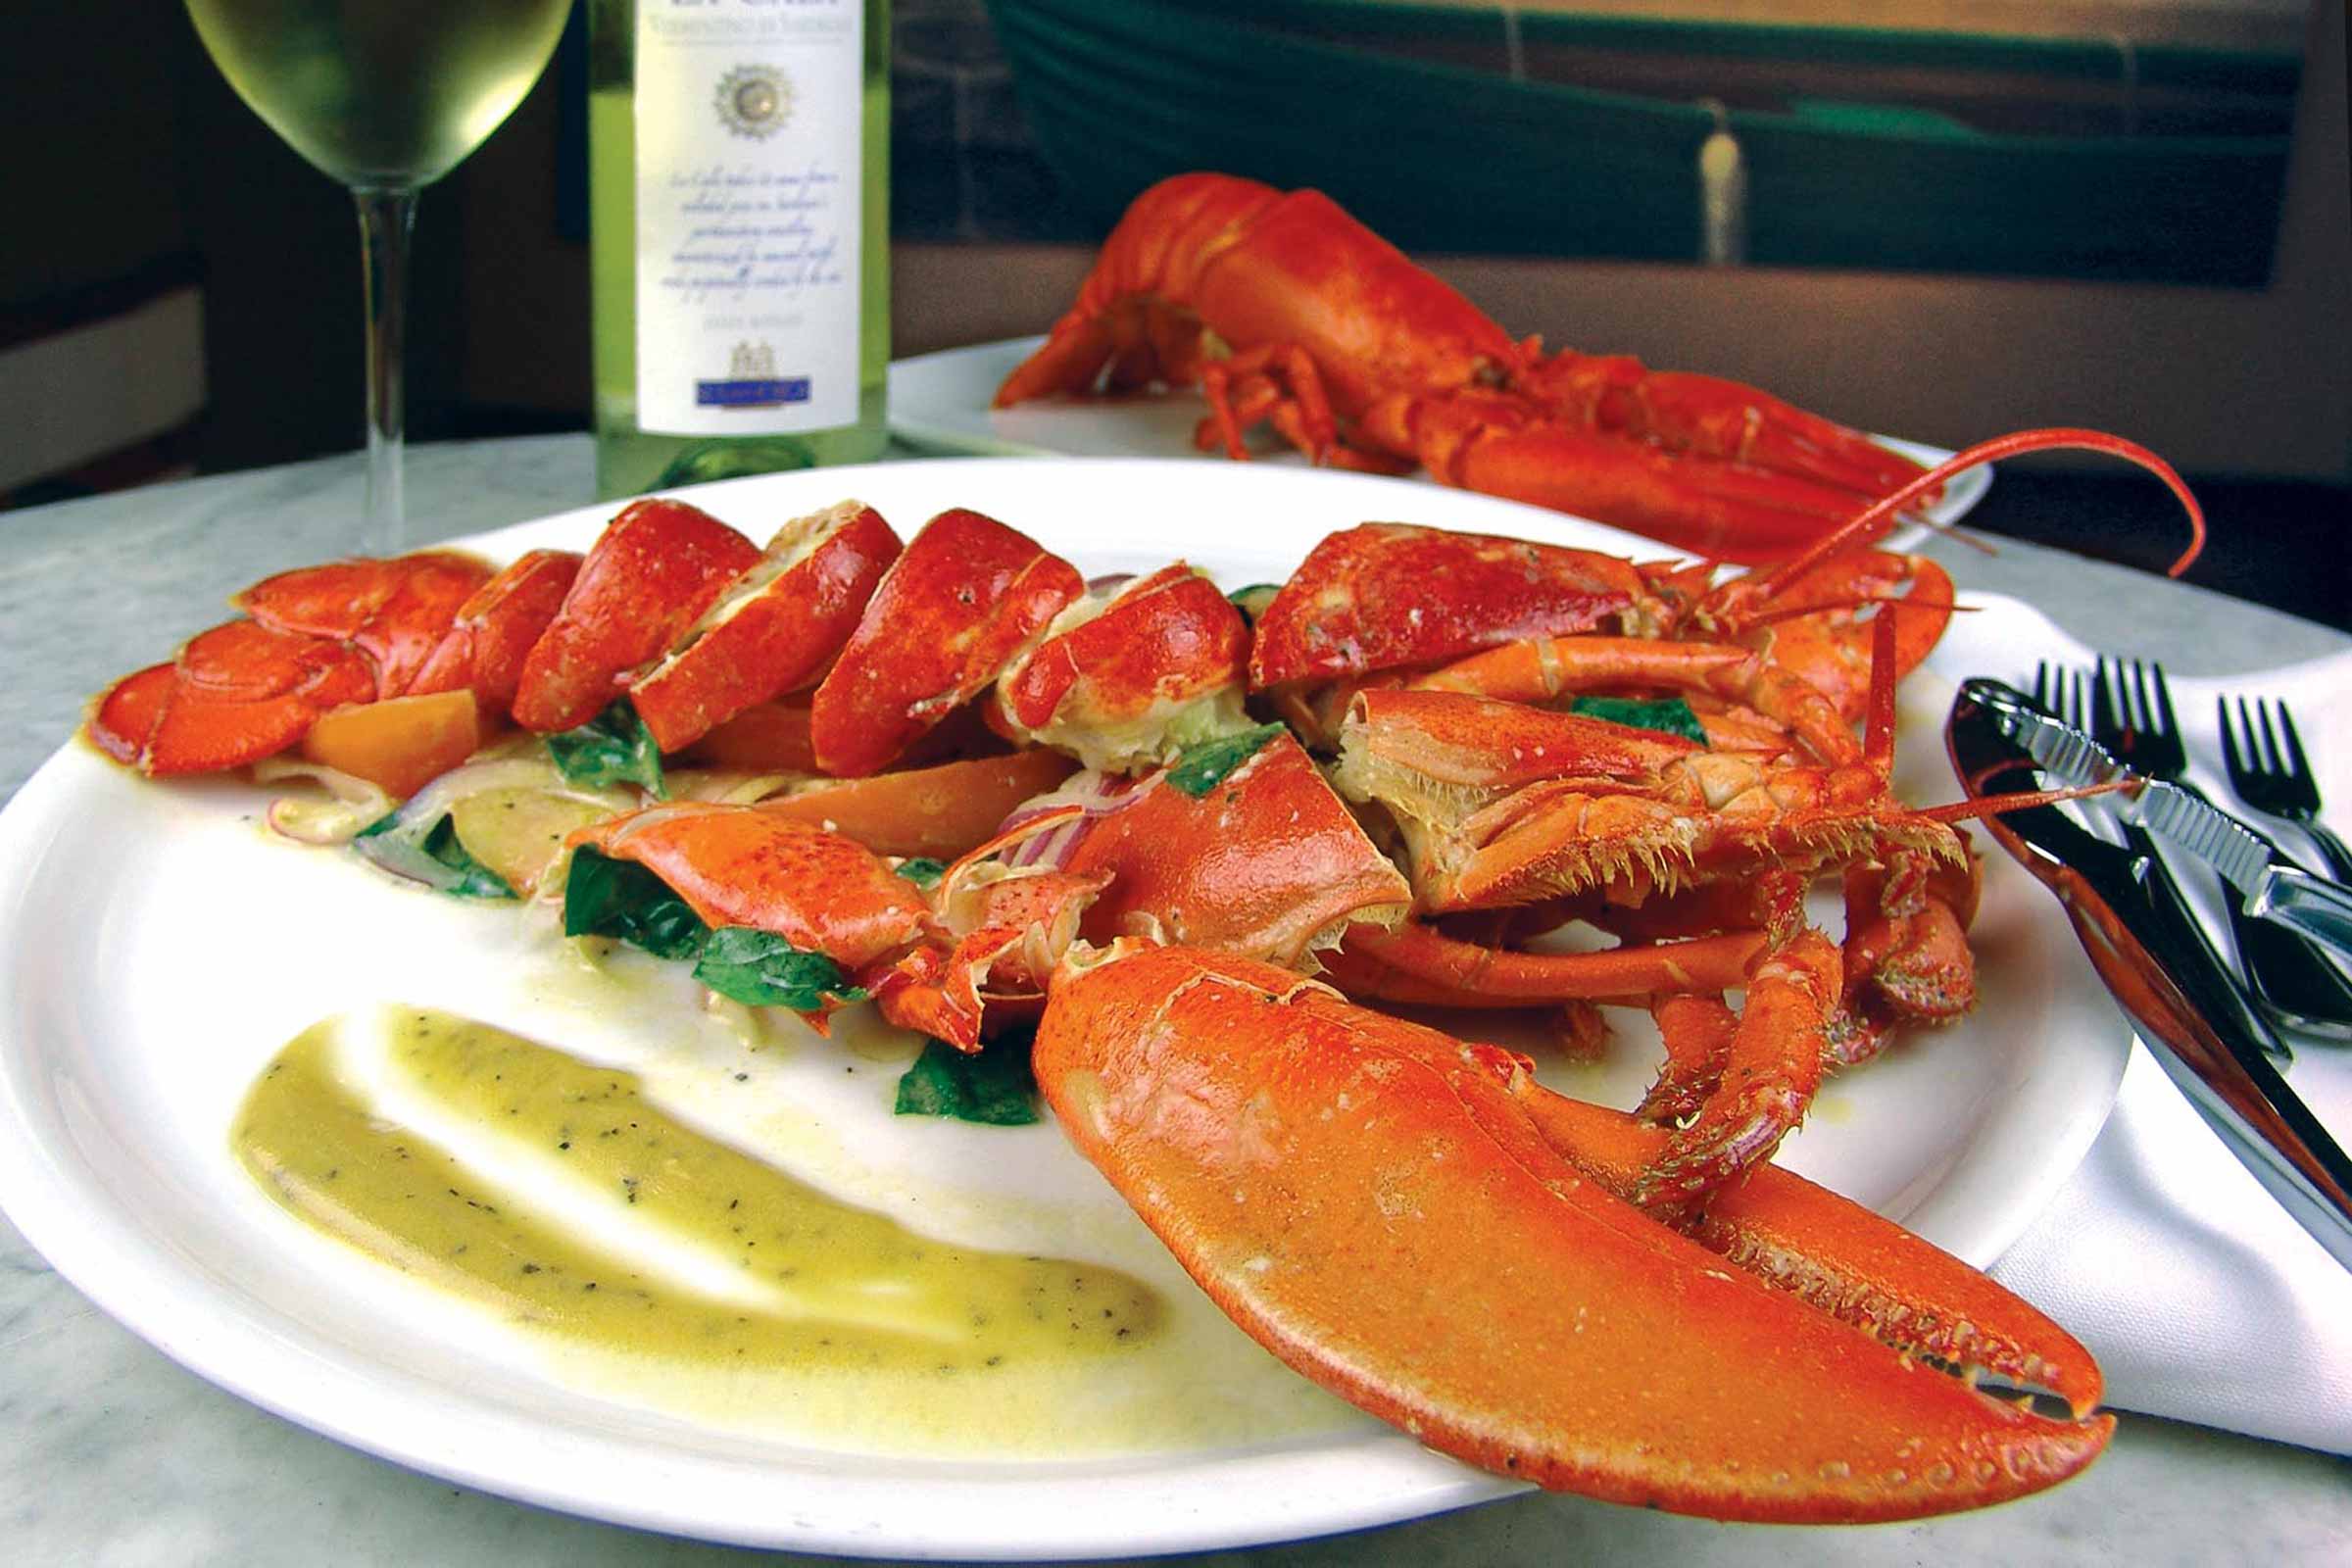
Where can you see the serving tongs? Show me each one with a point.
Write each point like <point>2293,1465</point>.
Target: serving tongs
<point>2149,951</point>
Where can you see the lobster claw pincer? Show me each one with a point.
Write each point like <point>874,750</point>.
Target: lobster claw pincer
<point>1371,1200</point>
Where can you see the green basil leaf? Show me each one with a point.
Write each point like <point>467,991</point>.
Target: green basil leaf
<point>619,898</point>
<point>921,870</point>
<point>433,856</point>
<point>1668,716</point>
<point>1203,767</point>
<point>613,748</point>
<point>993,1087</point>
<point>761,969</point>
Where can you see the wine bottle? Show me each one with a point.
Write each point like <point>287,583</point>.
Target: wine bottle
<point>739,236</point>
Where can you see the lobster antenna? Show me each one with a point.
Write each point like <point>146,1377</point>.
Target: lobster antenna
<point>1872,521</point>
<point>2001,805</point>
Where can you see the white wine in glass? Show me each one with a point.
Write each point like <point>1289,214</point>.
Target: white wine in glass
<point>386,96</point>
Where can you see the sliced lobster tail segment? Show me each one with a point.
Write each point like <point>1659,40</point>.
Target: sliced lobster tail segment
<point>493,632</point>
<point>123,718</point>
<point>966,597</point>
<point>343,598</point>
<point>1126,679</point>
<point>394,611</point>
<point>653,570</point>
<point>1371,1200</point>
<point>237,694</point>
<point>775,628</point>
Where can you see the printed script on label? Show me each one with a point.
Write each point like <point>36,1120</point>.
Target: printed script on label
<point>748,208</point>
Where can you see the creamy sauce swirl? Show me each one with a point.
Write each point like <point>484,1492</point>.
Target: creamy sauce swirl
<point>716,1284</point>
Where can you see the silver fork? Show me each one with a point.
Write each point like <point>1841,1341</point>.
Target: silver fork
<point>2277,780</point>
<point>2289,978</point>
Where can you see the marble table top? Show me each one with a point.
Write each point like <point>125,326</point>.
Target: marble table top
<point>116,1454</point>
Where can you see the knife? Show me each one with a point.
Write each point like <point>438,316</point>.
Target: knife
<point>2272,887</point>
<point>2148,949</point>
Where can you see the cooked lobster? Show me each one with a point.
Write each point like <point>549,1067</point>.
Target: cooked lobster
<point>1638,1307</point>
<point>1285,311</point>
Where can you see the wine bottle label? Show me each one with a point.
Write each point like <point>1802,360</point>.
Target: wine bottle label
<point>748,116</point>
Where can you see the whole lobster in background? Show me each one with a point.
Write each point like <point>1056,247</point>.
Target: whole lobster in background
<point>1285,310</point>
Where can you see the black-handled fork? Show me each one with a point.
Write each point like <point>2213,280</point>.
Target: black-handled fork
<point>2291,979</point>
<point>2277,779</point>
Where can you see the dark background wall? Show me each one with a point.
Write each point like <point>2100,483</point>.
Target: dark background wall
<point>132,160</point>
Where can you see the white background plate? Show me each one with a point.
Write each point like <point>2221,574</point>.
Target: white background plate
<point>940,402</point>
<point>155,948</point>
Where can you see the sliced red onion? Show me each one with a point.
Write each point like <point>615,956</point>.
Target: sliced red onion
<point>1094,794</point>
<point>357,802</point>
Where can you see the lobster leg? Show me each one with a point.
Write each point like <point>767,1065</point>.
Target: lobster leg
<point>1697,1033</point>
<point>1419,964</point>
<point>1374,1203</point>
<point>1717,417</point>
<point>1728,511</point>
<point>1771,1069</point>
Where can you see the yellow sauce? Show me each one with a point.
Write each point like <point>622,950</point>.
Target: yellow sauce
<point>799,1310</point>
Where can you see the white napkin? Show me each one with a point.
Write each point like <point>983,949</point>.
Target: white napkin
<point>2200,1298</point>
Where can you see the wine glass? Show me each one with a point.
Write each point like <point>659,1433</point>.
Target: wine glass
<point>386,96</point>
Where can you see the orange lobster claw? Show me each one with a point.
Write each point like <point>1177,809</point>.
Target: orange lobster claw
<point>654,568</point>
<point>1389,594</point>
<point>738,866</point>
<point>1372,1202</point>
<point>1835,1255</point>
<point>1268,863</point>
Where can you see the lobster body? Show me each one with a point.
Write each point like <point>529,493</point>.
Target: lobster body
<point>1208,253</point>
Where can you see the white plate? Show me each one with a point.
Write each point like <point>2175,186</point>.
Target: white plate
<point>941,402</point>
<point>155,948</point>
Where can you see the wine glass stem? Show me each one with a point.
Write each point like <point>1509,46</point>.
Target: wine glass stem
<point>386,218</point>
